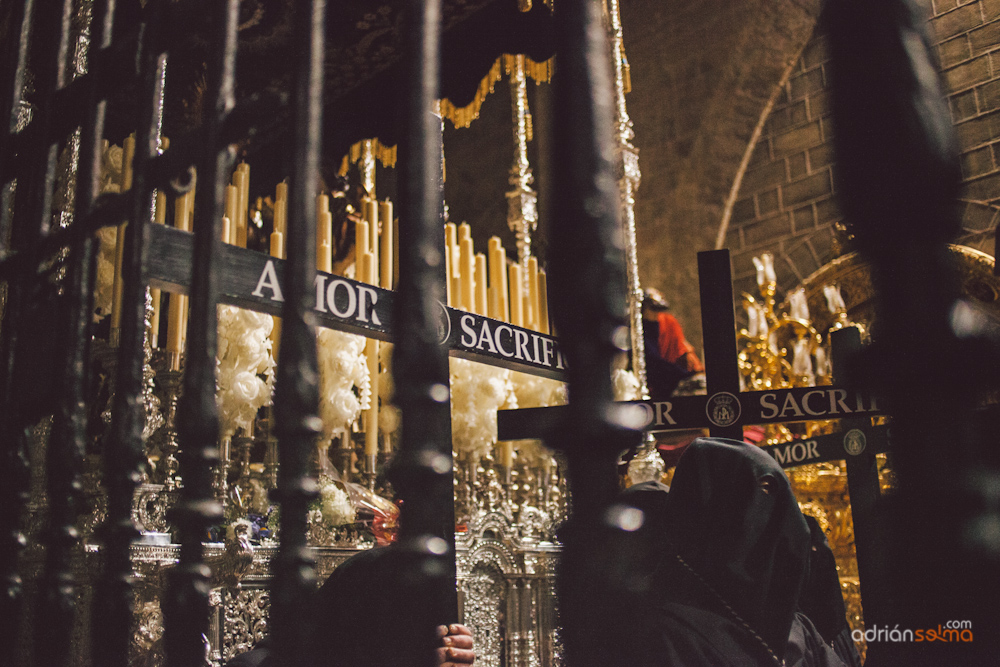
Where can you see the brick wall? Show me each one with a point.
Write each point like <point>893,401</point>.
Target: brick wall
<point>702,73</point>
<point>786,203</point>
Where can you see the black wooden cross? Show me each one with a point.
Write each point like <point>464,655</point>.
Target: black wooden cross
<point>724,410</point>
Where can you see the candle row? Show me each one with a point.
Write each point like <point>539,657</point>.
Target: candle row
<point>512,293</point>
<point>375,259</point>
<point>374,263</point>
<point>177,322</point>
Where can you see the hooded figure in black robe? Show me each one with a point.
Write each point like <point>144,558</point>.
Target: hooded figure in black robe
<point>823,601</point>
<point>737,556</point>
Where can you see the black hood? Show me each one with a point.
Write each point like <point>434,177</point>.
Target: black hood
<point>822,600</point>
<point>733,519</point>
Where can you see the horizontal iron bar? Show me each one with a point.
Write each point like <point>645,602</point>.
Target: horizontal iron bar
<point>108,209</point>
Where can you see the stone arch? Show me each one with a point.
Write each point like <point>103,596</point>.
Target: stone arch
<point>702,73</point>
<point>786,202</point>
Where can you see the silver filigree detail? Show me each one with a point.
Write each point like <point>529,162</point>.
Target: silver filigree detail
<point>483,592</point>
<point>245,616</point>
<point>522,208</point>
<point>628,183</point>
<point>167,469</point>
<point>150,505</point>
<point>647,465</point>
<point>151,403</point>
<point>147,642</point>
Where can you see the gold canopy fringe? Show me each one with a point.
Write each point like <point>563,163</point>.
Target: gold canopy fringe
<point>463,116</point>
<point>460,116</point>
<point>384,154</point>
<point>540,72</point>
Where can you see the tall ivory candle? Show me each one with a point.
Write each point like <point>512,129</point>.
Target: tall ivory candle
<point>506,454</point>
<point>128,155</point>
<point>450,240</point>
<point>177,309</point>
<point>281,207</point>
<point>371,215</point>
<point>516,296</point>
<point>117,287</point>
<point>185,312</point>
<point>324,230</point>
<point>182,207</point>
<point>360,250</point>
<point>498,274</point>
<point>277,250</point>
<point>371,347</point>
<point>324,251</point>
<point>533,292</point>
<point>494,309</point>
<point>395,254</point>
<point>467,272</point>
<point>480,284</point>
<point>543,303</point>
<point>277,245</point>
<point>242,180</point>
<point>160,209</point>
<point>387,247</point>
<point>232,206</point>
<point>188,223</point>
<point>175,320</point>
<point>160,218</point>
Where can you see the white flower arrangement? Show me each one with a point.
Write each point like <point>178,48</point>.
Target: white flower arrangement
<point>344,382</point>
<point>244,368</point>
<point>625,385</point>
<point>538,392</point>
<point>335,506</point>
<point>477,392</point>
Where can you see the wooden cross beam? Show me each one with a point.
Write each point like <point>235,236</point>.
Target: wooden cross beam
<point>254,281</point>
<point>725,410</point>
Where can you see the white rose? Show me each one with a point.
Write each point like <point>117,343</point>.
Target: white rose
<point>246,386</point>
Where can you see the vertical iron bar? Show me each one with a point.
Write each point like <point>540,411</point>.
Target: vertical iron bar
<point>47,58</point>
<point>186,607</point>
<point>422,469</point>
<point>113,596</point>
<point>863,487</point>
<point>587,274</point>
<point>68,439</point>
<point>12,64</point>
<point>589,284</point>
<point>297,399</point>
<point>44,36</point>
<point>898,180</point>
<point>13,464</point>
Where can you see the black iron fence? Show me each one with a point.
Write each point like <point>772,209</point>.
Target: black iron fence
<point>45,105</point>
<point>130,48</point>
